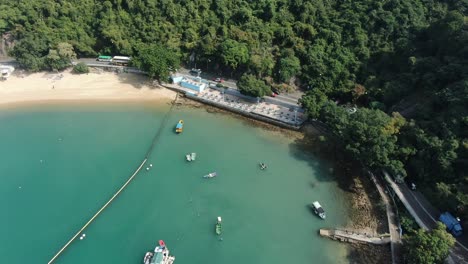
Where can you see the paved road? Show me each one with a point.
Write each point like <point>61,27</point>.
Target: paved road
<point>92,61</point>
<point>426,216</point>
<point>291,98</point>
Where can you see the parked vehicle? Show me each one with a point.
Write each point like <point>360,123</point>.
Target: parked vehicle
<point>121,60</point>
<point>104,58</point>
<point>220,80</point>
<point>274,94</point>
<point>452,224</point>
<point>195,71</point>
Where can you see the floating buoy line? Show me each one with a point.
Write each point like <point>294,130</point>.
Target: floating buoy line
<point>148,153</point>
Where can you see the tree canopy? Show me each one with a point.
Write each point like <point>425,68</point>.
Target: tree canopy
<point>429,247</point>
<point>250,85</point>
<point>156,60</point>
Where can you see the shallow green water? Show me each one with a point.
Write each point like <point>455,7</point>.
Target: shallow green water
<point>60,164</point>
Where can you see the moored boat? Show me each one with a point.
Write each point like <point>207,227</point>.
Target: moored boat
<point>218,227</point>
<point>161,255</point>
<point>318,209</point>
<point>211,175</point>
<point>188,157</point>
<point>262,165</point>
<point>179,127</point>
<point>193,156</point>
<point>148,257</point>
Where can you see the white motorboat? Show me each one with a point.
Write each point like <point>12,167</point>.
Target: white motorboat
<point>193,156</point>
<point>318,209</point>
<point>188,157</point>
<point>210,175</point>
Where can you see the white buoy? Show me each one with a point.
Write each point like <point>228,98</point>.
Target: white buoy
<point>81,238</point>
<point>19,187</point>
<point>84,235</point>
<point>147,168</point>
<point>151,165</point>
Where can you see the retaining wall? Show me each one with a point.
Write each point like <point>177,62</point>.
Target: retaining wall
<point>241,112</point>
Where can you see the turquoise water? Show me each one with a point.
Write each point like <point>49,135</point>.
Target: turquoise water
<point>60,164</point>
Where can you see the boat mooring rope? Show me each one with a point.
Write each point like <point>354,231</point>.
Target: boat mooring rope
<point>148,153</point>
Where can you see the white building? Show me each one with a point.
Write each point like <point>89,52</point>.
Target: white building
<point>194,83</point>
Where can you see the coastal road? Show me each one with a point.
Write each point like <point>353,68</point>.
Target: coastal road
<point>289,98</point>
<point>92,61</point>
<point>426,216</point>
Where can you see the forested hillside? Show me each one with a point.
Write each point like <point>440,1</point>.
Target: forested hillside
<point>406,56</point>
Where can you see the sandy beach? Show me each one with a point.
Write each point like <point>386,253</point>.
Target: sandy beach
<point>65,86</point>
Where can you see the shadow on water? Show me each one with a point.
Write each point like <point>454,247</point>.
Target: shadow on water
<point>304,150</point>
<point>325,156</point>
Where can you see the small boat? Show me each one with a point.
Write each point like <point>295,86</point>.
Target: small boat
<point>318,209</point>
<point>161,255</point>
<point>179,127</point>
<point>188,157</point>
<point>193,156</point>
<point>148,257</point>
<point>218,228</point>
<point>210,175</point>
<point>262,165</point>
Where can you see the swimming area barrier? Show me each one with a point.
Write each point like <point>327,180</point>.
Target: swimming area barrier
<point>148,153</point>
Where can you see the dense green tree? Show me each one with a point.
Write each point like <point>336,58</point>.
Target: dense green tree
<point>429,247</point>
<point>250,85</point>
<point>156,60</point>
<point>234,53</point>
<point>81,67</point>
<point>314,101</point>
<point>370,136</point>
<point>288,66</point>
<point>61,57</point>
<point>262,65</point>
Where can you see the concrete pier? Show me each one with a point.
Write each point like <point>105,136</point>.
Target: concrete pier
<point>354,237</point>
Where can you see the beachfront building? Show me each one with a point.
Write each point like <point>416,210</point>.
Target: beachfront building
<point>6,71</point>
<point>195,83</point>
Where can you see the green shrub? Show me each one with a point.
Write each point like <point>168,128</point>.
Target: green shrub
<point>81,68</point>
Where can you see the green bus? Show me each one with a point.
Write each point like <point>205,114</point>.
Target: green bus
<point>104,58</point>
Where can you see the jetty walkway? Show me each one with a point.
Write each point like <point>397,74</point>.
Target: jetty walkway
<point>355,237</point>
<point>393,223</point>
